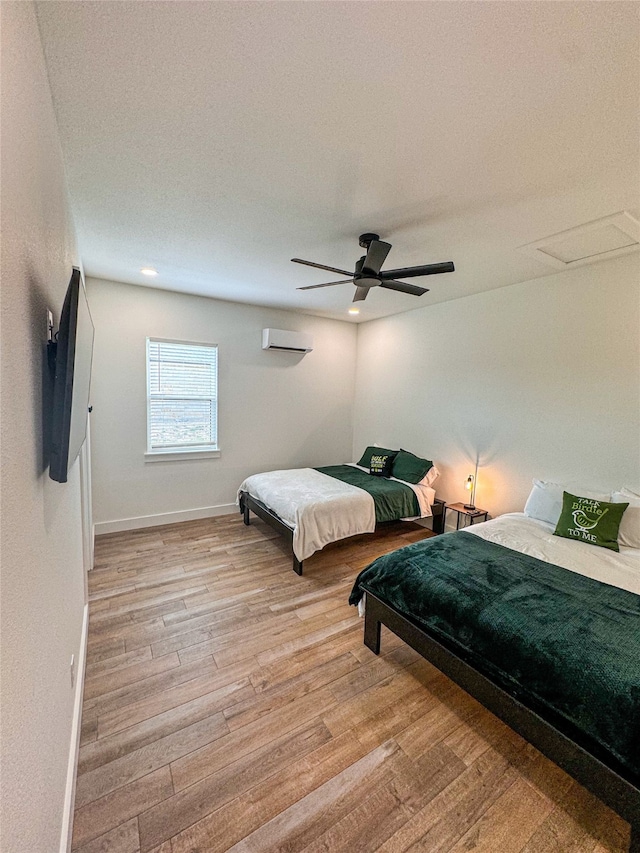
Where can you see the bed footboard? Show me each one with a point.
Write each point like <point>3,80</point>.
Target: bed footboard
<point>607,784</point>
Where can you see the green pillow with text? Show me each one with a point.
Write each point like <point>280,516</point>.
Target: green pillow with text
<point>590,521</point>
<point>381,464</point>
<point>372,450</point>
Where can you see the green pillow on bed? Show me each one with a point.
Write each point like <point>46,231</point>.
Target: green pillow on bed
<point>591,521</point>
<point>365,462</point>
<point>410,468</point>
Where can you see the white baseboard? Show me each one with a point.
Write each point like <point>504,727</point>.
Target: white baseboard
<point>74,746</point>
<point>163,518</point>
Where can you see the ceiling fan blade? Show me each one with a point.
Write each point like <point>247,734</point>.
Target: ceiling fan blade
<point>360,294</point>
<point>376,256</point>
<point>404,288</point>
<point>427,269</point>
<point>328,284</point>
<point>321,266</point>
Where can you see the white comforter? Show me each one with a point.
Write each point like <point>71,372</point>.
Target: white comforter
<point>319,509</point>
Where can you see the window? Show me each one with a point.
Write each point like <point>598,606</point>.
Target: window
<point>182,396</point>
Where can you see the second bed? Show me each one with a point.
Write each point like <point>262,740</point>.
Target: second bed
<point>313,507</point>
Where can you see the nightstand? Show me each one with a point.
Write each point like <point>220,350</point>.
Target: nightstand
<point>471,514</point>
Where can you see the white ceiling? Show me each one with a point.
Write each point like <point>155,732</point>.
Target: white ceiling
<point>217,140</point>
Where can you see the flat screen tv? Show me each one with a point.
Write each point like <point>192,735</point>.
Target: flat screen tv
<point>72,352</point>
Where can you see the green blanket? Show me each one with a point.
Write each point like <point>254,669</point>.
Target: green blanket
<point>393,500</point>
<point>566,645</point>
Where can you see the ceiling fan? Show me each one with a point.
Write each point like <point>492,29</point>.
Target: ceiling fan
<point>367,272</point>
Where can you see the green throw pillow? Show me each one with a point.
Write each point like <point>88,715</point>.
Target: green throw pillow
<point>381,464</point>
<point>365,461</point>
<point>410,468</point>
<point>591,521</point>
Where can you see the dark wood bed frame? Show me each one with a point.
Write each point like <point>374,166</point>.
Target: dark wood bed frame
<point>249,503</point>
<point>609,785</point>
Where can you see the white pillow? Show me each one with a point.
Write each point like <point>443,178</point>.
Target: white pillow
<point>629,532</point>
<point>430,477</point>
<point>545,500</point>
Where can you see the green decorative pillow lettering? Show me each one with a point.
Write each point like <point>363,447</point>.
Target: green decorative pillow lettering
<point>410,468</point>
<point>365,461</point>
<point>381,464</point>
<point>591,521</point>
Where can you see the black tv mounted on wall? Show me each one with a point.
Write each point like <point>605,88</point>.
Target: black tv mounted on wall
<point>70,355</point>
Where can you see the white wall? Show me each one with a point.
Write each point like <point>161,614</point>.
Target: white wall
<point>540,379</point>
<point>42,577</point>
<point>276,409</point>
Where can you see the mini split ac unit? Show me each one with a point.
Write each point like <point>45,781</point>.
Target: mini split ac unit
<point>288,341</point>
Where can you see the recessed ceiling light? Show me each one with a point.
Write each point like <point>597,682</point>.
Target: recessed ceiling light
<point>354,310</point>
<point>148,271</point>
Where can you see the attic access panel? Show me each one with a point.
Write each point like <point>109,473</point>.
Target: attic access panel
<point>599,240</point>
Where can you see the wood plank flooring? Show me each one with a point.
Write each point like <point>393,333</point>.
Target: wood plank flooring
<point>231,705</point>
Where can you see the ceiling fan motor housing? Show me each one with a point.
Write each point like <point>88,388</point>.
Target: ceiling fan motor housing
<point>366,239</point>
<point>364,279</point>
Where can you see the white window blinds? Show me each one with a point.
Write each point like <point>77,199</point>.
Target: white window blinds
<point>182,395</point>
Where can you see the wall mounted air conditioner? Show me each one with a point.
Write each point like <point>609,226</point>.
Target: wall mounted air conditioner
<point>288,341</point>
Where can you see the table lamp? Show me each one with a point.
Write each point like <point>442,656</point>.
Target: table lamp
<point>470,485</point>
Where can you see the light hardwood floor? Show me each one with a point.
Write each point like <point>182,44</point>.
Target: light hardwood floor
<point>231,705</point>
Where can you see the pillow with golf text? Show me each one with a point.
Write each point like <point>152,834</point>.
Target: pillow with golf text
<point>365,460</point>
<point>591,521</point>
<point>380,464</point>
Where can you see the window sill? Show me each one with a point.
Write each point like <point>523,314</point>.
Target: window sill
<point>181,455</point>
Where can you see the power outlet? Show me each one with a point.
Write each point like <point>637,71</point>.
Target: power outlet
<point>73,670</point>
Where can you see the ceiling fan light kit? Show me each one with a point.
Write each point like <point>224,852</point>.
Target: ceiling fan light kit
<point>368,272</point>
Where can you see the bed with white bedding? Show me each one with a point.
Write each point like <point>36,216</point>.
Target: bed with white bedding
<point>314,507</point>
<point>534,537</point>
<point>544,631</point>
